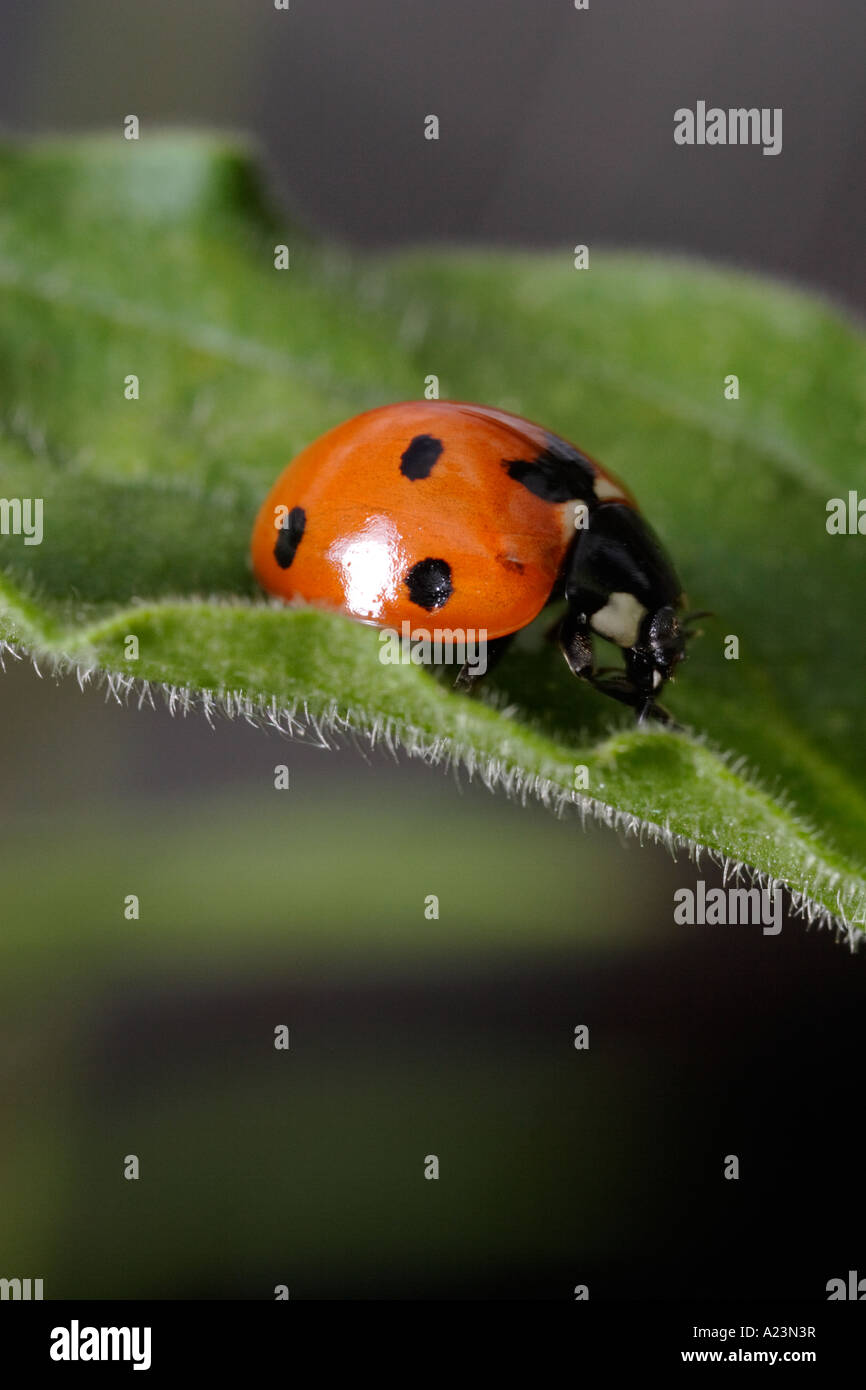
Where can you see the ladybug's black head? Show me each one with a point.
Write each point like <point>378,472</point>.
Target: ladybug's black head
<point>661,644</point>
<point>621,585</point>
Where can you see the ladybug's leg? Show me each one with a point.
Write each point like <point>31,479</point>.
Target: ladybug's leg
<point>575,639</point>
<point>576,643</point>
<point>622,689</point>
<point>469,677</point>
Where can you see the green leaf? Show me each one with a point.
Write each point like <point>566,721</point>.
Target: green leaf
<point>156,259</point>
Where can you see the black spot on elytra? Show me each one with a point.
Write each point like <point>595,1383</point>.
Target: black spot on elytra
<point>418,459</point>
<point>429,583</point>
<point>560,473</point>
<point>289,537</point>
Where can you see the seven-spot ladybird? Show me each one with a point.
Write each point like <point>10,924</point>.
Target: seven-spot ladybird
<point>483,518</point>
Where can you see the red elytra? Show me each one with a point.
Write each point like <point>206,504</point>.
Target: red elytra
<point>428,507</point>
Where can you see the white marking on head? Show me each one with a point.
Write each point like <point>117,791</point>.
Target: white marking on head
<point>620,619</point>
<point>605,489</point>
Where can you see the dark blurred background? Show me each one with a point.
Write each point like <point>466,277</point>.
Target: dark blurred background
<point>412,1037</point>
<point>556,124</point>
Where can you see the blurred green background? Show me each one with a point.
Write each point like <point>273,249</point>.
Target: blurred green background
<point>306,907</point>
<point>409,1036</point>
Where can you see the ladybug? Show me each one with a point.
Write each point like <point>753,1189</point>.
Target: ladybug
<point>481,517</point>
